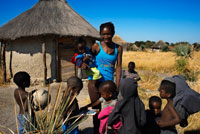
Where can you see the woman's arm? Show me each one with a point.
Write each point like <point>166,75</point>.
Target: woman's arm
<point>119,66</point>
<point>95,49</point>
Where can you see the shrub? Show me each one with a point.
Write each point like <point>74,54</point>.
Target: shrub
<point>181,67</point>
<point>165,48</point>
<point>183,50</point>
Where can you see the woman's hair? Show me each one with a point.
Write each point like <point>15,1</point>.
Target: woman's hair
<point>109,25</point>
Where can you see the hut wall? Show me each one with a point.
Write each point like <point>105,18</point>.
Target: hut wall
<point>26,55</point>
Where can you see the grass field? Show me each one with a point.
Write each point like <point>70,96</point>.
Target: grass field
<point>151,66</point>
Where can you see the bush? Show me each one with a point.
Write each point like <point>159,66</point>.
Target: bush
<point>183,50</point>
<point>181,67</point>
<point>165,48</point>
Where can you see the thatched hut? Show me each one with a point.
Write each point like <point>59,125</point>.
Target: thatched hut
<point>117,39</point>
<point>40,40</point>
<point>158,46</point>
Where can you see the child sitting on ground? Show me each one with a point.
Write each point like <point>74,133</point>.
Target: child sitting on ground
<point>75,84</point>
<point>169,116</point>
<point>131,73</point>
<point>130,109</point>
<point>107,90</point>
<point>153,114</point>
<point>84,56</point>
<point>22,80</point>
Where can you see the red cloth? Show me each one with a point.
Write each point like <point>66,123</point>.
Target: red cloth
<point>103,117</point>
<point>73,58</point>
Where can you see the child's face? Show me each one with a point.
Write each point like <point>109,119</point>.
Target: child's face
<point>155,107</point>
<point>106,95</point>
<point>163,94</point>
<point>81,48</point>
<point>27,83</point>
<point>131,67</point>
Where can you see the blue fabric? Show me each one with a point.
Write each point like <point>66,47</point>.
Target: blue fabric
<point>79,58</point>
<point>21,123</point>
<point>106,63</point>
<point>75,131</point>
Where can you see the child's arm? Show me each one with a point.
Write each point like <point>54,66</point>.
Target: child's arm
<point>137,77</point>
<point>91,105</point>
<point>176,118</point>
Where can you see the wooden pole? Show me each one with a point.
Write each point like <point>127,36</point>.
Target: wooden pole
<point>3,60</point>
<point>44,63</point>
<point>10,67</point>
<point>58,64</point>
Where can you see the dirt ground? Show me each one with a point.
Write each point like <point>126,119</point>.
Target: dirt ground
<point>7,115</point>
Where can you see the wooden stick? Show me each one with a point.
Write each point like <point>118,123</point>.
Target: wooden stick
<point>44,62</point>
<point>3,60</point>
<point>16,117</point>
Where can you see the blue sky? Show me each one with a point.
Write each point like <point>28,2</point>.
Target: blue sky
<point>134,20</point>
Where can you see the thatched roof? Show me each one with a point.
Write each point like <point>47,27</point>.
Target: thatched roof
<point>117,39</point>
<point>48,17</point>
<point>158,45</point>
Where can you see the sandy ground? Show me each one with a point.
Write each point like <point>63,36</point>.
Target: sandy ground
<point>7,116</point>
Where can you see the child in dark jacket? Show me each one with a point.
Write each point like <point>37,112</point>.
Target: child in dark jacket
<point>130,109</point>
<point>153,114</point>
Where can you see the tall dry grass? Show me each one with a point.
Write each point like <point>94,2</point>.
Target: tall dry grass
<point>152,61</point>
<point>162,62</point>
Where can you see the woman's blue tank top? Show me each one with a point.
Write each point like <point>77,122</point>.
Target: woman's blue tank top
<point>106,63</point>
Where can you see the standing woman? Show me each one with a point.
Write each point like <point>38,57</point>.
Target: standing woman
<point>108,56</point>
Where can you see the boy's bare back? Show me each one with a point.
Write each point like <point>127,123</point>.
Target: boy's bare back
<point>21,98</point>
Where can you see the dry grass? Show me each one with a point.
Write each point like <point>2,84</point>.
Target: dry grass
<point>152,61</point>
<point>149,65</point>
<point>162,62</point>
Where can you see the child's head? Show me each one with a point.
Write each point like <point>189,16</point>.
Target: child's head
<point>22,79</point>
<point>131,66</point>
<point>75,84</point>
<point>155,104</point>
<point>167,89</point>
<point>107,89</point>
<point>80,44</point>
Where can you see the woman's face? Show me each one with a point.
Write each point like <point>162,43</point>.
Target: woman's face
<point>106,35</point>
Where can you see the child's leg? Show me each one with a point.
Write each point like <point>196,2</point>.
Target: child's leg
<point>21,123</point>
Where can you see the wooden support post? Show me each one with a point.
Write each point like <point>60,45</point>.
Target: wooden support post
<point>44,63</point>
<point>58,63</point>
<point>3,60</point>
